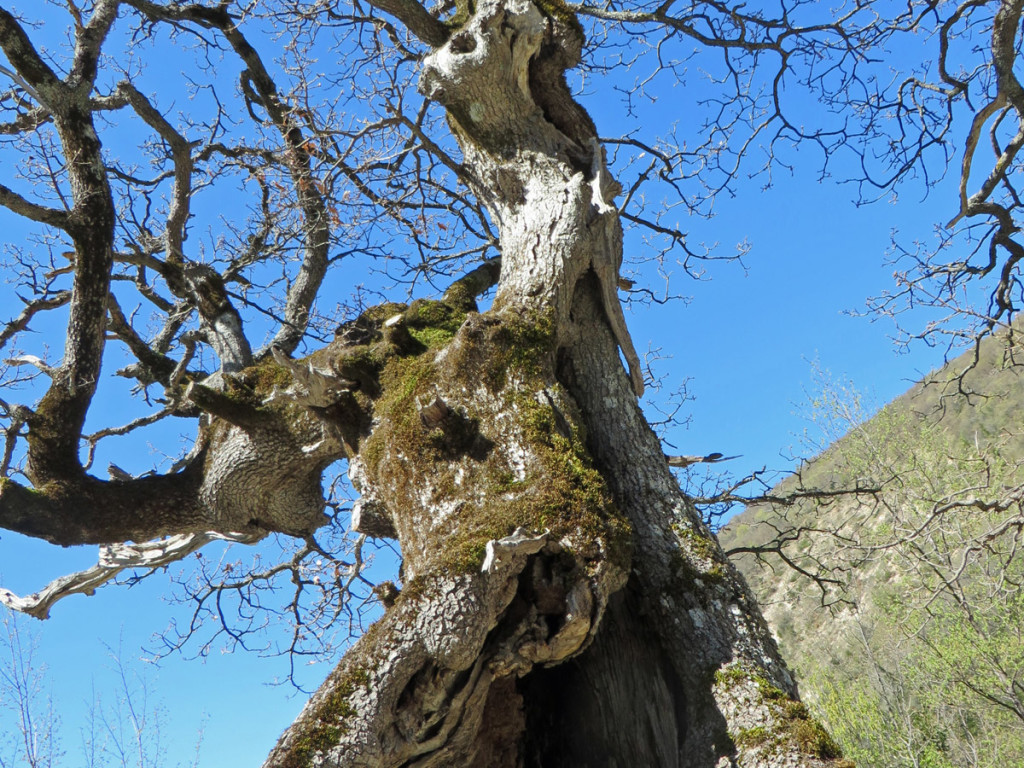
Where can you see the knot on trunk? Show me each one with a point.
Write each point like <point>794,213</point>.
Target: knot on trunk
<point>372,519</point>
<point>501,76</point>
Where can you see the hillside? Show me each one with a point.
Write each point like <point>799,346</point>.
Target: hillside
<point>901,608</point>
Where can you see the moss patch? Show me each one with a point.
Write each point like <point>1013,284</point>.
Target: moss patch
<point>464,9</point>
<point>401,380</point>
<point>561,492</point>
<point>701,546</point>
<point>327,723</point>
<point>752,737</point>
<point>729,677</point>
<point>464,462</point>
<point>796,726</point>
<point>691,562</point>
<point>813,739</point>
<point>434,323</point>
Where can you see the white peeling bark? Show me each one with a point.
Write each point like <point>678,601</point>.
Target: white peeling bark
<point>548,190</point>
<point>113,560</point>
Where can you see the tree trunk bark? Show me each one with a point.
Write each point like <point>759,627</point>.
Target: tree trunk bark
<point>563,604</point>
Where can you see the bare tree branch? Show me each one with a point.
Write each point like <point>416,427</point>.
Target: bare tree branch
<point>113,560</point>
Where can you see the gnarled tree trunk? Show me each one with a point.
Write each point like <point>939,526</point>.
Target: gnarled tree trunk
<point>563,604</point>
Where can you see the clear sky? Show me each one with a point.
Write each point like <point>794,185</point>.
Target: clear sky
<point>744,340</point>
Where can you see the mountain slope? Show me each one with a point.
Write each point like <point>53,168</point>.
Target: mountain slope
<point>901,607</point>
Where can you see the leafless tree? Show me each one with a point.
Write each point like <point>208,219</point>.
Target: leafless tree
<point>561,601</point>
<point>961,107</point>
<point>33,740</point>
<point>125,728</point>
<point>122,730</point>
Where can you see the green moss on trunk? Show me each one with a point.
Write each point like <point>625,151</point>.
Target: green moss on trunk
<point>510,453</point>
<point>794,724</point>
<point>327,723</point>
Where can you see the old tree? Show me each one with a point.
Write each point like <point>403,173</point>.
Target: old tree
<point>200,178</point>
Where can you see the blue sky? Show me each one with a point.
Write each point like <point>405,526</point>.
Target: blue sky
<point>744,341</point>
